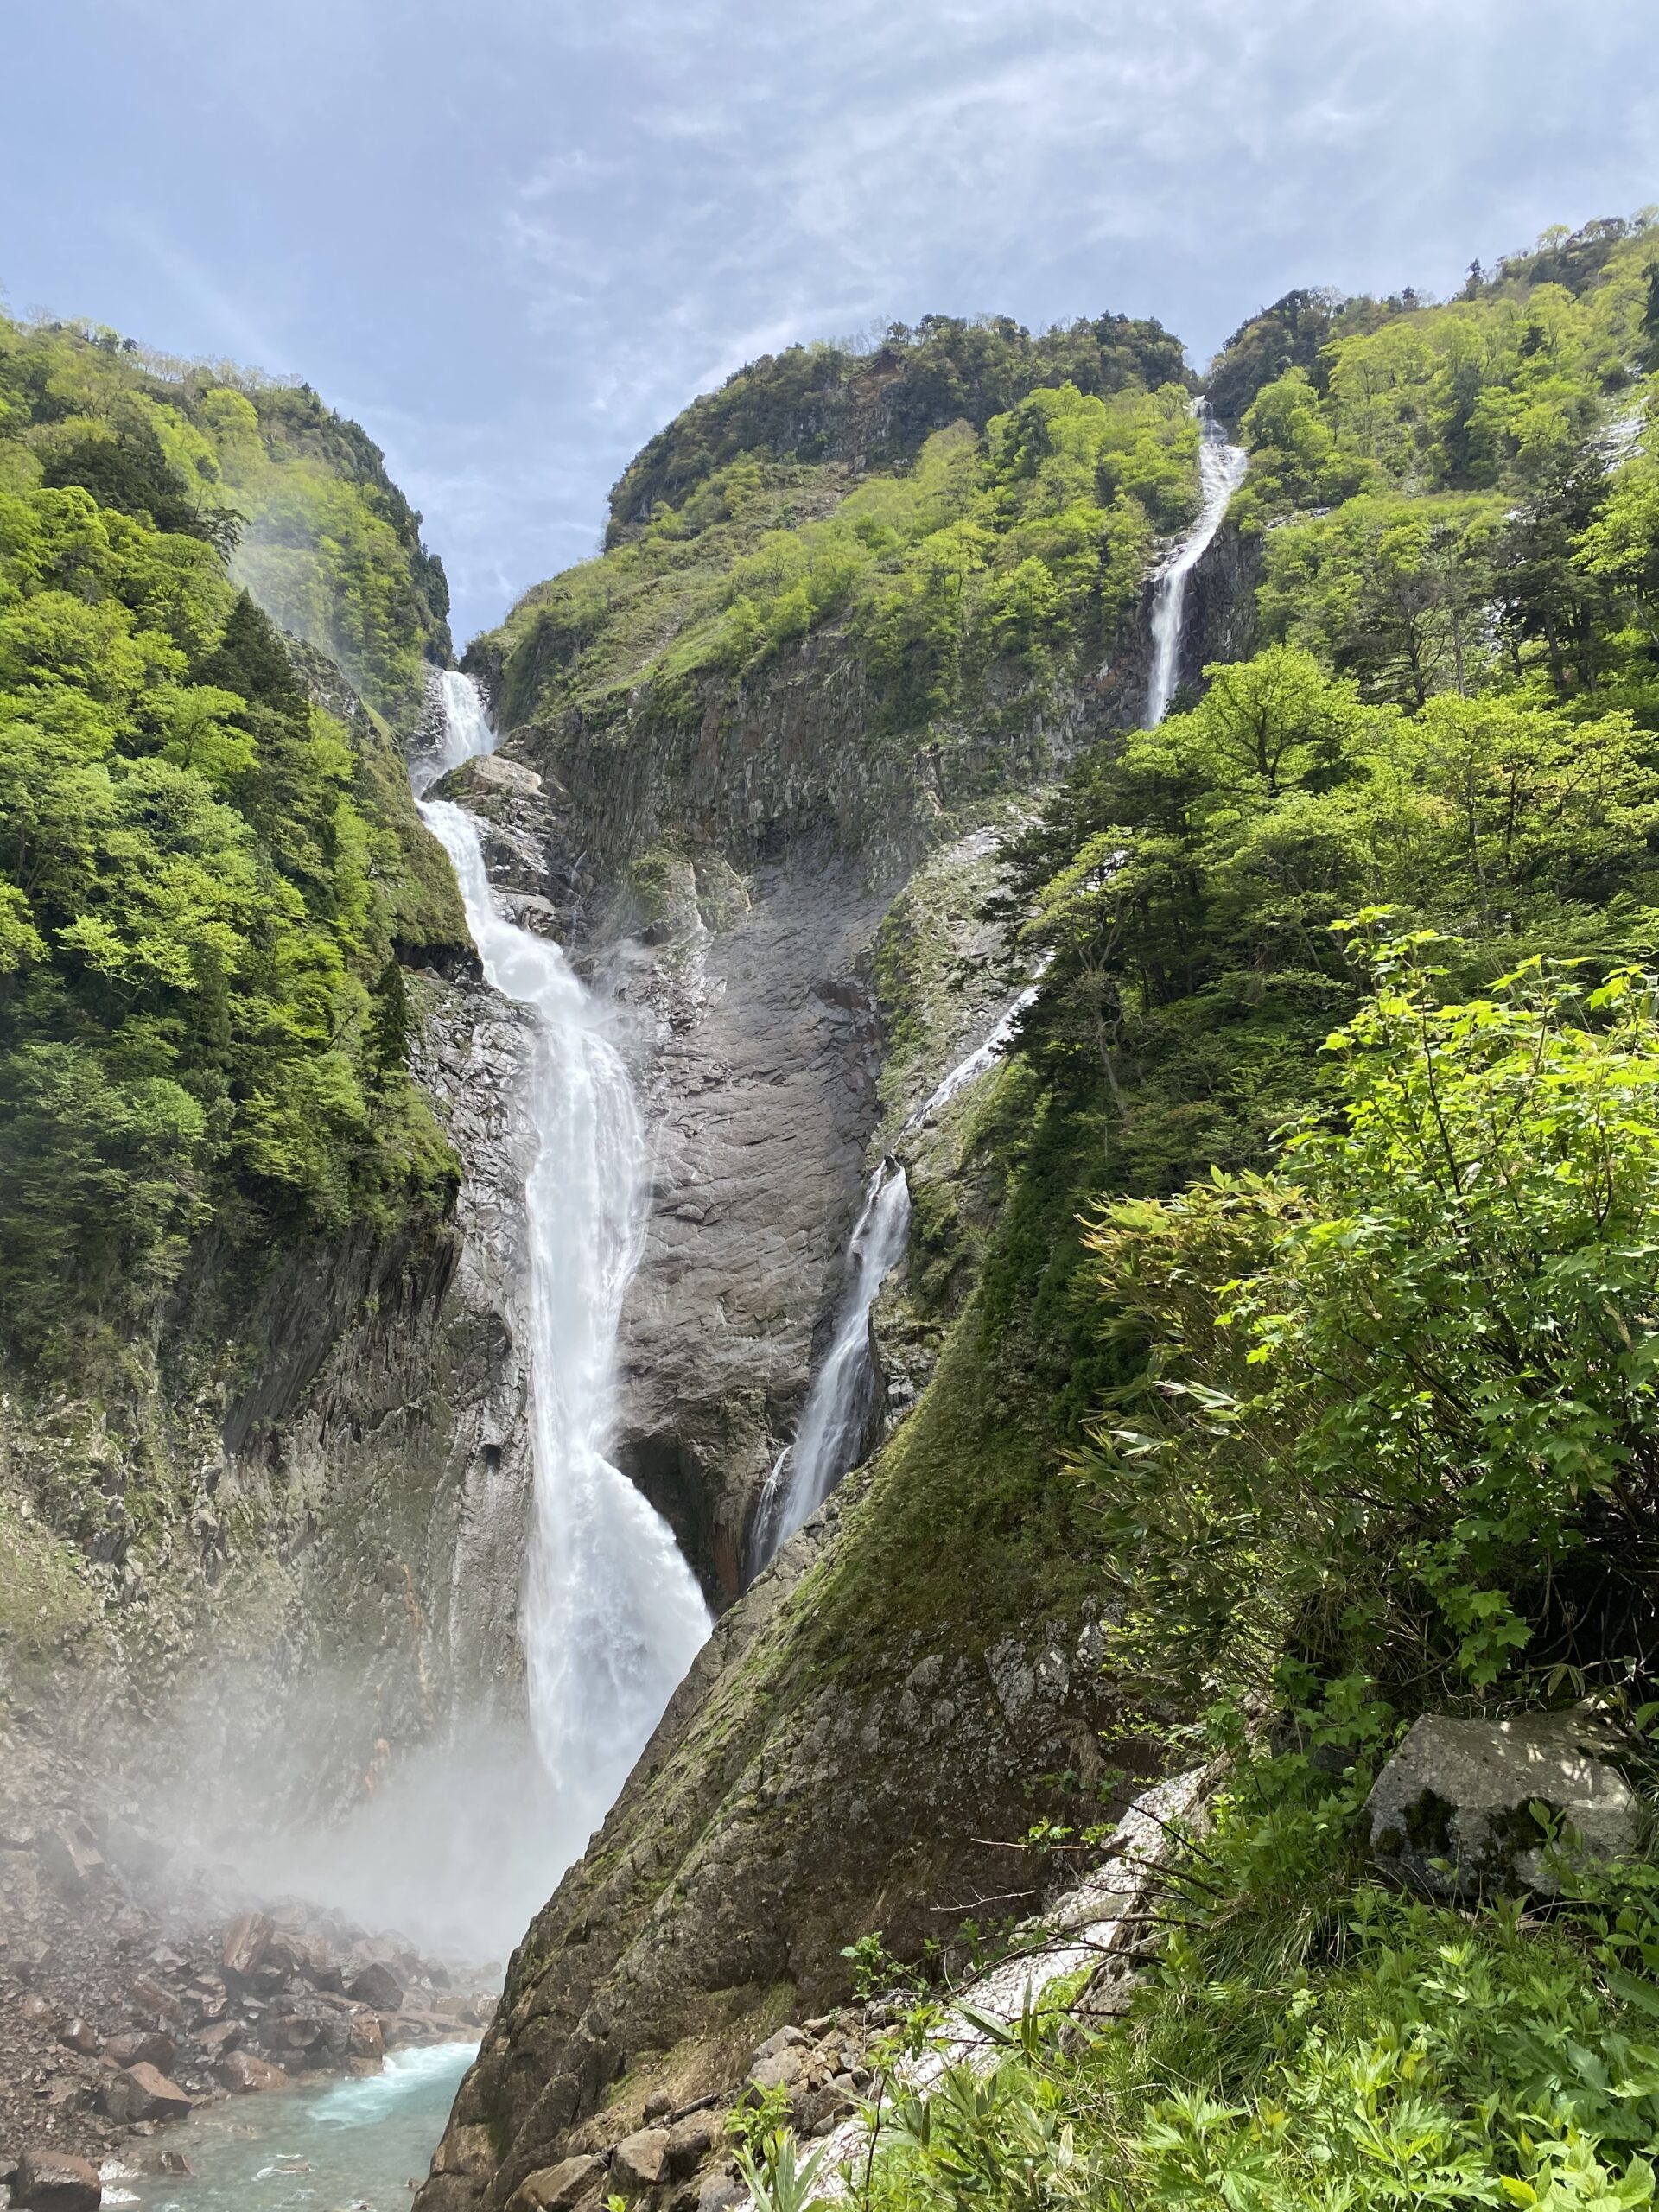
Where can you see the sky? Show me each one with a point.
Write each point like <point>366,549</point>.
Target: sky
<point>513,237</point>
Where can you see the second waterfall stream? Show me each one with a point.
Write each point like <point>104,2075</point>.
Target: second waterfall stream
<point>611,1614</point>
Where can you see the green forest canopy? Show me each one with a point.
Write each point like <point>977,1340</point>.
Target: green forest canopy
<point>205,881</point>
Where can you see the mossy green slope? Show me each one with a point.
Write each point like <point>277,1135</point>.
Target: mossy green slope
<point>209,879</point>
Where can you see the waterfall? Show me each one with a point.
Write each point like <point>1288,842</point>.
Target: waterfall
<point>610,1614</point>
<point>1221,471</point>
<point>838,1410</point>
<point>982,1056</point>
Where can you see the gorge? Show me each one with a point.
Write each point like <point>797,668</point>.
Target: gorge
<point>700,1349</point>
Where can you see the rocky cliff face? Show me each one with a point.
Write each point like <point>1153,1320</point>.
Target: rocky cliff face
<point>319,1472</point>
<point>856,1749</point>
<point>728,893</point>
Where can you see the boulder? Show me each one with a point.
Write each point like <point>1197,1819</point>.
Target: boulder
<point>364,2040</point>
<point>154,2003</point>
<point>307,1956</point>
<point>554,2188</point>
<point>143,2046</point>
<point>689,2142</point>
<point>71,1856</point>
<point>658,2105</point>
<point>639,2160</point>
<point>778,2069</point>
<point>1451,1812</point>
<point>375,1985</point>
<point>52,2181</point>
<point>246,1939</point>
<point>141,2092</point>
<point>243,2074</point>
<point>297,2031</point>
<point>38,2011</point>
<point>81,2036</point>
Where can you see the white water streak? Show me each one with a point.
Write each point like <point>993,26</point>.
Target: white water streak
<point>836,1414</point>
<point>610,1615</point>
<point>838,1410</point>
<point>1221,471</point>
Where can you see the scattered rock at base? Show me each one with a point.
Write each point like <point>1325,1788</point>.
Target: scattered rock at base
<point>1451,1812</point>
<point>377,1985</point>
<point>556,2187</point>
<point>639,2160</point>
<point>245,1941</point>
<point>689,2142</point>
<point>52,2181</point>
<point>143,2046</point>
<point>141,2092</point>
<point>243,2074</point>
<point>70,1855</point>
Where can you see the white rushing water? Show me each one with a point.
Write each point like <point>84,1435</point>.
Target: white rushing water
<point>837,1410</point>
<point>1221,471</point>
<point>836,1416</point>
<point>611,1614</point>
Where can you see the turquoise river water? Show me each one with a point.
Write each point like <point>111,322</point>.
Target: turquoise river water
<point>357,2144</point>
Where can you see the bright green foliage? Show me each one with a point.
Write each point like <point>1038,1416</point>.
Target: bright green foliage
<point>1392,591</point>
<point>1401,1393</point>
<point>1182,887</point>
<point>1026,549</point>
<point>300,498</point>
<point>1622,546</point>
<point>1491,505</point>
<point>1307,2043</point>
<point>201,877</point>
<point>876,410</point>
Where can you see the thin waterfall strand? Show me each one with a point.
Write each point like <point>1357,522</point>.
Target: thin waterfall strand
<point>1221,471</point>
<point>611,1614</point>
<point>836,1414</point>
<point>837,1410</point>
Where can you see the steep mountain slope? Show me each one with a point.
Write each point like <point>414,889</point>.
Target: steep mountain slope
<point>751,719</point>
<point>1444,709</point>
<point>258,1219</point>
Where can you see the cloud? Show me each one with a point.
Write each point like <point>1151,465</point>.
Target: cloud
<point>514,236</point>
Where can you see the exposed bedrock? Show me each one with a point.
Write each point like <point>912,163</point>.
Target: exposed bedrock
<point>305,1508</point>
<point>862,1745</point>
<point>725,885</point>
<point>757,1060</point>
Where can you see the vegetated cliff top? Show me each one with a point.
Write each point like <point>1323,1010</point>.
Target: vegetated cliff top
<point>297,496</point>
<point>1302,326</point>
<point>207,878</point>
<point>827,402</point>
<point>968,514</point>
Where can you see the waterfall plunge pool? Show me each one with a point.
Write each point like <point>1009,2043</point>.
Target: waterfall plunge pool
<point>358,2143</point>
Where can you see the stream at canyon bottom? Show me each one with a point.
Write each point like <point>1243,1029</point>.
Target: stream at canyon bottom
<point>320,2148</point>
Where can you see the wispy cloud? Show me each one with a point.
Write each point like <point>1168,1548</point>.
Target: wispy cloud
<point>515,235</point>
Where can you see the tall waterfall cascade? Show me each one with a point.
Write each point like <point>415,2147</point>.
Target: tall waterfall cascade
<point>1221,471</point>
<point>611,1614</point>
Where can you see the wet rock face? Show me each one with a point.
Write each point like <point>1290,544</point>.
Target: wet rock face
<point>53,2181</point>
<point>386,1418</point>
<point>780,1810</point>
<point>755,1054</point>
